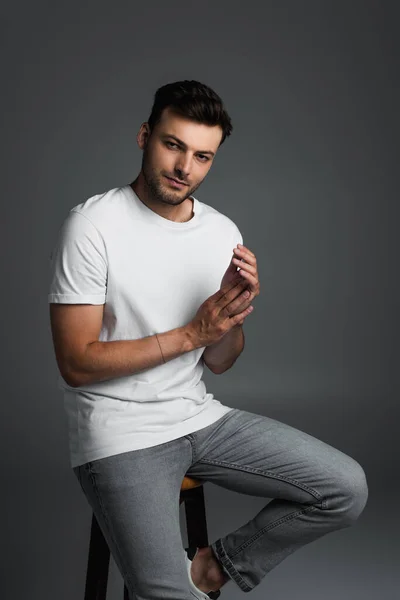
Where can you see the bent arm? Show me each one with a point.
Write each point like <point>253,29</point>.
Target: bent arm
<point>222,355</point>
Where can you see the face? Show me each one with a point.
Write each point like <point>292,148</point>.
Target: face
<point>177,148</point>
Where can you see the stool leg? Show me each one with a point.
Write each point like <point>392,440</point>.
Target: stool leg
<point>98,564</point>
<point>196,522</point>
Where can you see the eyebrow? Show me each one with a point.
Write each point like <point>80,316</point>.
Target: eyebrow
<point>169,135</point>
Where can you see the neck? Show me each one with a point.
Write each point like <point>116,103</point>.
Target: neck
<point>180,214</point>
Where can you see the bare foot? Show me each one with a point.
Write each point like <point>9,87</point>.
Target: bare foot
<point>206,571</point>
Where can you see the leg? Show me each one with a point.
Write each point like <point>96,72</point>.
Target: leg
<point>207,572</point>
<point>135,497</point>
<point>315,488</point>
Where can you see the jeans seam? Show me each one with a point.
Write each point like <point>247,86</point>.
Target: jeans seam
<point>105,515</point>
<point>192,445</point>
<point>191,436</point>
<point>226,560</point>
<point>229,566</point>
<point>272,525</point>
<point>294,482</point>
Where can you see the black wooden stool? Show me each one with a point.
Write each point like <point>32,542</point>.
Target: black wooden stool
<point>192,494</point>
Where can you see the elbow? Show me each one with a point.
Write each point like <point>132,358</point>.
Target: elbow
<point>71,380</point>
<point>222,369</point>
<point>70,376</point>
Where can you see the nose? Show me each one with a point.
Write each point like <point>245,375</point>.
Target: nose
<point>182,169</point>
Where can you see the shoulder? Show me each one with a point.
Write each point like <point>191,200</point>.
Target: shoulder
<point>99,208</point>
<point>223,221</point>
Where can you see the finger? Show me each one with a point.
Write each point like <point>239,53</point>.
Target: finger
<point>239,319</point>
<point>243,247</point>
<point>251,279</point>
<point>225,294</point>
<point>238,304</point>
<point>244,265</point>
<point>249,274</point>
<point>243,251</point>
<point>251,260</point>
<point>243,302</point>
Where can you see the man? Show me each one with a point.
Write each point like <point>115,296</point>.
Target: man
<point>145,291</point>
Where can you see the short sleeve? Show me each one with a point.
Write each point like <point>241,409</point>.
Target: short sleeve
<point>78,263</point>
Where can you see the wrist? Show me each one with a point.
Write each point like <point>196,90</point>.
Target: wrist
<point>192,341</point>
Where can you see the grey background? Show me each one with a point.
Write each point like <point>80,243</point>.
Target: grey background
<point>310,176</point>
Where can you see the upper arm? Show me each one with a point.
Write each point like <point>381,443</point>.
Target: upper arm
<point>73,327</point>
<point>77,293</point>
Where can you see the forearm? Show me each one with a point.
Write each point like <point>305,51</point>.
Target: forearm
<point>120,358</point>
<point>223,354</point>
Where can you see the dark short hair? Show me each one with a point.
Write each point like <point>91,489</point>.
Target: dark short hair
<point>193,100</point>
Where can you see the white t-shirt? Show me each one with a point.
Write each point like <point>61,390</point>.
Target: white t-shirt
<point>152,275</point>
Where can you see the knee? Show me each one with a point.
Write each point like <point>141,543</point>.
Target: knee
<point>352,492</point>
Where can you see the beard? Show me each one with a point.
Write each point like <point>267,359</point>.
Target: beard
<point>157,187</point>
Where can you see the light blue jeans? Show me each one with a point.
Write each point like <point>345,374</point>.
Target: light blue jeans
<point>315,489</point>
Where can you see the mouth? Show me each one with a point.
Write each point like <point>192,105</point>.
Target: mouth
<point>175,183</point>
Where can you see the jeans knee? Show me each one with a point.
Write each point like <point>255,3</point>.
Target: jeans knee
<point>353,490</point>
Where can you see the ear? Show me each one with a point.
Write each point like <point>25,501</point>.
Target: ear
<point>143,136</point>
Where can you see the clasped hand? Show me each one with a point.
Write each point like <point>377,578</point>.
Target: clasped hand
<point>246,260</point>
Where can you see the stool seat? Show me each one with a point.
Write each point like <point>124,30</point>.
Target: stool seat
<point>189,483</point>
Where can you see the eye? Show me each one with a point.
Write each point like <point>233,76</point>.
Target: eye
<point>171,144</point>
<point>204,156</point>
